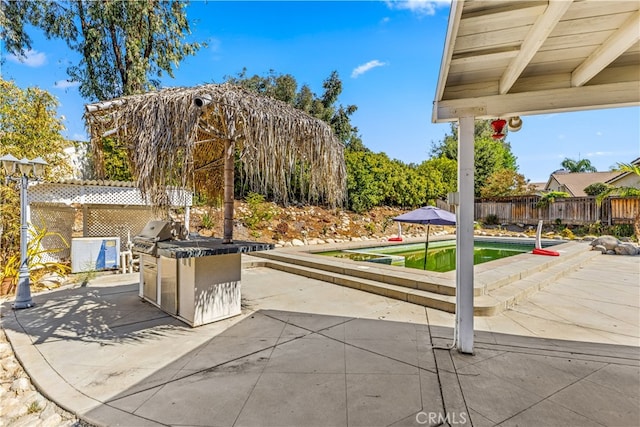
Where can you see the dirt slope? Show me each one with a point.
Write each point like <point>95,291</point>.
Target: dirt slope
<point>271,223</point>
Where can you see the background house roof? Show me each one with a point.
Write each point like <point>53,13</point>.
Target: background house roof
<point>615,179</point>
<point>539,186</point>
<point>576,182</point>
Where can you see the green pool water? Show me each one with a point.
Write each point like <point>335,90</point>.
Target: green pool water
<point>441,256</point>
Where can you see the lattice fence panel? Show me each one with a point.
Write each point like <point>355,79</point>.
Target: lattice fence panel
<point>99,194</point>
<point>113,221</point>
<point>59,221</point>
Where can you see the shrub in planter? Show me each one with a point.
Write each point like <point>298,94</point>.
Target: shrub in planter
<point>37,265</point>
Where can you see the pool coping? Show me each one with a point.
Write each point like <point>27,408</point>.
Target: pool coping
<point>498,285</point>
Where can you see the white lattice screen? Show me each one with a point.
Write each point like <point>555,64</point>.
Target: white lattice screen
<point>57,220</point>
<point>111,209</point>
<point>113,221</point>
<point>99,193</point>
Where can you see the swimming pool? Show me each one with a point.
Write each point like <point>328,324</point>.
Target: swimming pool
<point>441,256</point>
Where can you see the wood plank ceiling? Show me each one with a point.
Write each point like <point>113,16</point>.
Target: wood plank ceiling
<point>517,57</point>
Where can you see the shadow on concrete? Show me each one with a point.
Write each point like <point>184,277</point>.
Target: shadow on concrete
<point>287,368</point>
<point>108,315</point>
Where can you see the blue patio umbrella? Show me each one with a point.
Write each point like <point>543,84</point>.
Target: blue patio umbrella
<point>427,215</point>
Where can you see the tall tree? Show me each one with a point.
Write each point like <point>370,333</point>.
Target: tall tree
<point>441,177</point>
<point>575,166</point>
<point>284,87</point>
<point>29,127</point>
<point>490,155</point>
<point>125,46</point>
<point>506,182</point>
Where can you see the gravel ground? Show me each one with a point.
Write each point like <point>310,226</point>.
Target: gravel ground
<point>20,403</point>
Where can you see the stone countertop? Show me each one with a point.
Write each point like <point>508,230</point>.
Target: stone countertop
<point>207,246</point>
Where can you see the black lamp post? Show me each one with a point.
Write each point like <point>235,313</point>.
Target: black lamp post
<point>19,171</point>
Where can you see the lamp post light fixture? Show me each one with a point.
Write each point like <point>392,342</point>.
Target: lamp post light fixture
<point>19,171</point>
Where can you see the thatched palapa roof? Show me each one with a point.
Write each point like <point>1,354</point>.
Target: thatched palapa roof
<point>176,136</point>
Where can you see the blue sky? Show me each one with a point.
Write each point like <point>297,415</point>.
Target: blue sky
<point>387,55</point>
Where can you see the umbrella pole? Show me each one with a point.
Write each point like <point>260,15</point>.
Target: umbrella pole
<point>426,248</point>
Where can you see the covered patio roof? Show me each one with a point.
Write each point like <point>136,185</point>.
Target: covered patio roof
<point>515,57</point>
<point>507,58</point>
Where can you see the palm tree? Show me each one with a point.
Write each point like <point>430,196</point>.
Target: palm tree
<point>582,165</point>
<point>625,192</point>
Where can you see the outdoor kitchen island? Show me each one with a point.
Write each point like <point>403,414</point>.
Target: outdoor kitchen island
<point>196,280</point>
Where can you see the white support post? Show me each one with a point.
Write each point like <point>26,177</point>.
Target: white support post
<point>464,236</point>
<point>187,219</point>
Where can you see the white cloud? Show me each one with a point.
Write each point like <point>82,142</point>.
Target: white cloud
<point>420,7</point>
<point>214,48</point>
<point>599,133</point>
<point>64,84</point>
<point>361,69</point>
<point>31,58</point>
<point>79,137</point>
<point>214,44</point>
<point>598,153</point>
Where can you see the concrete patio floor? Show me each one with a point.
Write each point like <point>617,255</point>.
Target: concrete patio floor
<point>309,353</point>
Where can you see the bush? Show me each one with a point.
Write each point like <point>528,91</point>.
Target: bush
<point>35,254</point>
<point>551,197</point>
<point>619,230</point>
<point>260,210</point>
<point>207,221</point>
<point>567,233</point>
<point>281,230</point>
<point>596,189</point>
<point>492,219</point>
<point>370,227</point>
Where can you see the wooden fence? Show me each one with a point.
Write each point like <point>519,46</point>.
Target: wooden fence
<point>574,210</point>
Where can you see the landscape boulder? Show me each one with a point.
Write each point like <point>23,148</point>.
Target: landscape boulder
<point>609,242</point>
<point>599,248</point>
<point>612,246</point>
<point>626,249</point>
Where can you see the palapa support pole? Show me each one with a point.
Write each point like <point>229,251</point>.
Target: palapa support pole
<point>228,190</point>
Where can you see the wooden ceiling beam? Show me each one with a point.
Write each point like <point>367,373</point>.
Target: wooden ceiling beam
<point>618,43</point>
<point>489,55</point>
<point>541,102</point>
<point>536,36</point>
<point>515,15</point>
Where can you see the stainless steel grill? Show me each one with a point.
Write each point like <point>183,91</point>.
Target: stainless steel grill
<point>155,231</point>
<point>195,279</point>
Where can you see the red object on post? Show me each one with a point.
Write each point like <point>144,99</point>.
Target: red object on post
<point>497,126</point>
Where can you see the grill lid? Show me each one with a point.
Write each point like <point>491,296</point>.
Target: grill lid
<point>156,231</point>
